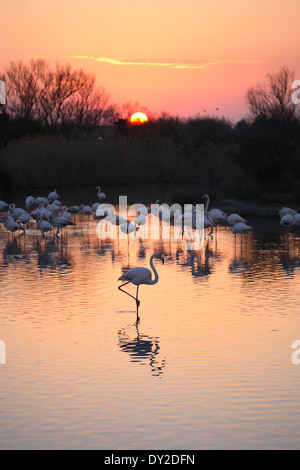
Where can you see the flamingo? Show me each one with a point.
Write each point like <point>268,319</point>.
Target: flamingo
<point>29,201</point>
<point>241,228</point>
<point>61,222</point>
<point>140,275</point>
<point>3,205</point>
<point>74,209</point>
<point>100,194</point>
<point>86,210</point>
<point>43,225</point>
<point>95,206</point>
<point>41,200</point>
<point>41,210</point>
<point>286,211</point>
<point>52,196</point>
<point>103,212</point>
<point>128,227</point>
<point>65,213</point>
<point>141,219</point>
<point>116,219</point>
<point>24,218</point>
<point>297,219</point>
<point>53,208</point>
<point>233,219</point>
<point>56,202</point>
<point>217,215</point>
<point>287,220</point>
<point>10,224</point>
<point>15,212</point>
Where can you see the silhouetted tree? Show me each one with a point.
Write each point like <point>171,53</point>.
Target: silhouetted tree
<point>87,107</point>
<point>23,84</point>
<point>54,96</point>
<point>272,100</point>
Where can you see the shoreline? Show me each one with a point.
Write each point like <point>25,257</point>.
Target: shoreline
<point>148,193</point>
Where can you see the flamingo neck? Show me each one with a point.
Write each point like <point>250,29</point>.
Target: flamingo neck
<point>207,203</point>
<point>155,280</point>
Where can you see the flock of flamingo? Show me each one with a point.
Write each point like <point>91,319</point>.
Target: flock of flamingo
<point>49,213</point>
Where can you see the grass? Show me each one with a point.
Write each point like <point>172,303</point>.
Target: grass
<point>59,162</point>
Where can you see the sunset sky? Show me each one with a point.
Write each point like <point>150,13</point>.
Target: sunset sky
<point>180,57</point>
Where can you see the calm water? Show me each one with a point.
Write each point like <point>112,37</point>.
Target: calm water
<point>207,366</point>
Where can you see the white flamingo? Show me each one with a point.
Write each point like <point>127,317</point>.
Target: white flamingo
<point>61,222</point>
<point>15,212</point>
<point>64,212</point>
<point>286,211</point>
<point>44,226</point>
<point>217,215</point>
<point>24,218</point>
<point>241,228</point>
<point>86,210</point>
<point>141,219</point>
<point>233,219</point>
<point>52,196</point>
<point>140,275</point>
<point>53,208</point>
<point>297,219</point>
<point>74,209</point>
<point>3,205</point>
<point>96,205</point>
<point>100,194</point>
<point>41,200</point>
<point>29,201</point>
<point>10,224</point>
<point>287,220</point>
<point>41,211</point>
<point>128,227</point>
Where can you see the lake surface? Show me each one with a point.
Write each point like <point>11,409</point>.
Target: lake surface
<point>207,366</point>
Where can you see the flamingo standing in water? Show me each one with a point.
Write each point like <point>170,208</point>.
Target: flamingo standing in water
<point>217,215</point>
<point>140,275</point>
<point>52,196</point>
<point>233,219</point>
<point>10,224</point>
<point>100,194</point>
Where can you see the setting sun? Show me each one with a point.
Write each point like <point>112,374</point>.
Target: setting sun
<point>138,118</point>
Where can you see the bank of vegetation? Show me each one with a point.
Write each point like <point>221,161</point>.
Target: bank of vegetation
<point>59,128</point>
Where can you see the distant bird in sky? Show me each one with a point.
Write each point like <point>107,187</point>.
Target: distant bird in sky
<point>140,275</point>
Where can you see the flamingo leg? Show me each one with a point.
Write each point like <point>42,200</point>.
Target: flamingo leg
<point>135,298</point>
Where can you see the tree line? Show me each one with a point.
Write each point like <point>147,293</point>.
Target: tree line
<point>60,100</point>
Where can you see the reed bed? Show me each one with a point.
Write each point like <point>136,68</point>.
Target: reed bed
<point>56,162</point>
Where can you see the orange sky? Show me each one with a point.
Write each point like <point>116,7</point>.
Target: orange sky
<point>176,56</point>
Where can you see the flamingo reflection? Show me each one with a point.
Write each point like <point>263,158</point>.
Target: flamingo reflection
<point>141,348</point>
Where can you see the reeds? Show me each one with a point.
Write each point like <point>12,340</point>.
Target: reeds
<point>40,162</point>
